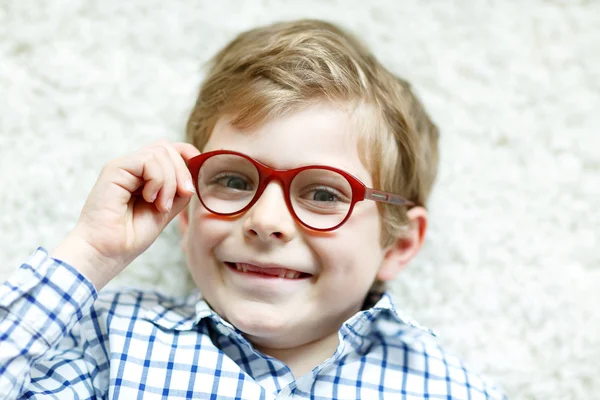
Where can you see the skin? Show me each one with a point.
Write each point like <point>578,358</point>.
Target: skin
<point>137,195</point>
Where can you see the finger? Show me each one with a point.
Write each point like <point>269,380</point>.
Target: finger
<point>152,174</point>
<point>185,186</point>
<point>186,150</point>
<point>164,202</point>
<point>142,172</point>
<point>118,172</point>
<point>138,173</point>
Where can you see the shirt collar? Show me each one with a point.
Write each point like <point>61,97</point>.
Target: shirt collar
<point>185,315</point>
<point>385,303</point>
<point>179,315</point>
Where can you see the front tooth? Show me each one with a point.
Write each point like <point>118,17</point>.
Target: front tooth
<point>238,267</point>
<point>291,275</point>
<point>282,274</point>
<point>244,268</point>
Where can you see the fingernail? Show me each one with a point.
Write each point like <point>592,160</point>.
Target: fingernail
<point>154,196</point>
<point>190,186</point>
<point>169,204</point>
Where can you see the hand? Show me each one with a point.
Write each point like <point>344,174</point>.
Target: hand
<point>133,200</point>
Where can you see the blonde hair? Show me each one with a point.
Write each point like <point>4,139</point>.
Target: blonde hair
<point>278,69</point>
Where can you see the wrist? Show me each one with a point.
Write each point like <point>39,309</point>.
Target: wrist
<point>82,256</point>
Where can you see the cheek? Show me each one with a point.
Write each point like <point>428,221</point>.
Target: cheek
<point>206,232</point>
<point>353,252</point>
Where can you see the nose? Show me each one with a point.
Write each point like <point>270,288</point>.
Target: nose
<point>269,219</point>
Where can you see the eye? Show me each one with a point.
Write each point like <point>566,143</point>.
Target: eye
<point>324,195</point>
<point>233,182</point>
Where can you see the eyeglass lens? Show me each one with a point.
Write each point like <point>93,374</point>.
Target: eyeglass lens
<point>319,197</point>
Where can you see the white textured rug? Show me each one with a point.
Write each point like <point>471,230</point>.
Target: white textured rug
<point>510,277</point>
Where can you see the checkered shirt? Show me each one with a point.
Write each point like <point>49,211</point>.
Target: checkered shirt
<point>60,339</point>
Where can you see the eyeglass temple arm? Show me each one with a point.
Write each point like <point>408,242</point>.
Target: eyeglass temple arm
<point>385,197</point>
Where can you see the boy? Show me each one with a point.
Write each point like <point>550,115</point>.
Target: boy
<point>284,235</point>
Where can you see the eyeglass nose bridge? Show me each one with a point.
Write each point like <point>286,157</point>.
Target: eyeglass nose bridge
<point>266,175</point>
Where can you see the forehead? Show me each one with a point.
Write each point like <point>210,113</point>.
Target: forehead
<point>320,134</point>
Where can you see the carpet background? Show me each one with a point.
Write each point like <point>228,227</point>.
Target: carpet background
<point>510,274</point>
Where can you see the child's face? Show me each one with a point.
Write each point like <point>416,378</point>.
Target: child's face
<point>342,264</point>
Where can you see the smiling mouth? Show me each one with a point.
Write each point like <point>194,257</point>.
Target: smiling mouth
<point>281,273</point>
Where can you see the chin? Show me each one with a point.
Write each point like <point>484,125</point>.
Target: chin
<point>260,320</point>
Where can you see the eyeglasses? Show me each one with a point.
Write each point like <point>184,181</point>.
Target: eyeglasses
<point>319,197</point>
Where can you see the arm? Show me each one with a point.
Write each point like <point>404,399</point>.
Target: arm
<point>133,200</point>
<point>41,346</point>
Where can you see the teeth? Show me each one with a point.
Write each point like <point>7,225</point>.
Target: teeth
<point>283,274</point>
<point>292,275</point>
<point>241,268</point>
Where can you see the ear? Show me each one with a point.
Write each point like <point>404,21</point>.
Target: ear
<point>405,247</point>
<point>184,223</point>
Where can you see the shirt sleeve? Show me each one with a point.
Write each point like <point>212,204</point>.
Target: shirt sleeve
<point>42,349</point>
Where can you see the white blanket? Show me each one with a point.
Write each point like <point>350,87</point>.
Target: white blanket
<point>510,276</point>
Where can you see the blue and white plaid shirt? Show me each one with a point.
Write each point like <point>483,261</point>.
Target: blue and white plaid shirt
<point>60,339</point>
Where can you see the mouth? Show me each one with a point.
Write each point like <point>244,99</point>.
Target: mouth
<point>267,272</point>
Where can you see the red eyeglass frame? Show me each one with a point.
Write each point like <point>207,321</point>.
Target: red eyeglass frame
<point>266,174</point>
